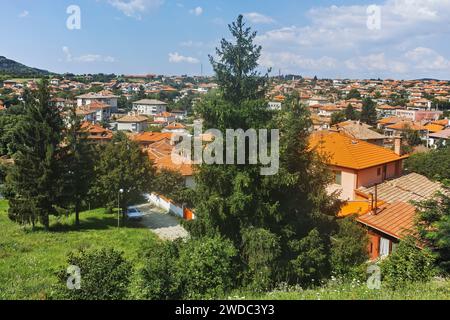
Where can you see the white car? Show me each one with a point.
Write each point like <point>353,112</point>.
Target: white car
<point>134,214</point>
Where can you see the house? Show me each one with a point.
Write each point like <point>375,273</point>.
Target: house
<point>356,163</point>
<point>418,115</point>
<point>145,139</point>
<point>179,114</point>
<point>183,166</point>
<point>95,111</point>
<point>397,129</point>
<point>440,138</point>
<point>422,103</point>
<point>360,131</point>
<point>164,118</point>
<point>9,84</point>
<point>386,226</point>
<point>133,123</point>
<point>175,127</point>
<point>149,107</point>
<point>96,133</point>
<point>103,97</point>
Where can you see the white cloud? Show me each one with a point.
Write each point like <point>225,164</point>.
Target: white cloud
<point>341,33</point>
<point>86,58</point>
<point>427,59</point>
<point>255,17</point>
<point>177,58</point>
<point>196,11</point>
<point>289,61</point>
<point>24,14</point>
<point>134,8</point>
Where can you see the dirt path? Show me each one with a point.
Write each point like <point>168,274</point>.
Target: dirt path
<point>166,226</point>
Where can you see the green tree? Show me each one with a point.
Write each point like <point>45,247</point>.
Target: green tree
<point>261,250</point>
<point>351,113</point>
<point>433,223</point>
<point>412,137</point>
<point>369,112</point>
<point>236,68</point>
<point>122,166</point>
<point>338,117</point>
<point>348,248</point>
<point>434,164</point>
<point>353,94</point>
<point>33,183</point>
<point>78,165</point>
<point>230,199</point>
<point>311,263</point>
<point>104,274</point>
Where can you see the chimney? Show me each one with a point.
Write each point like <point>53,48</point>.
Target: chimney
<point>398,146</point>
<point>375,211</point>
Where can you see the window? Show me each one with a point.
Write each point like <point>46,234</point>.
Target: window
<point>379,172</point>
<point>338,177</point>
<point>384,247</point>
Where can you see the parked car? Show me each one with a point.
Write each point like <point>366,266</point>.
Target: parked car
<point>134,214</point>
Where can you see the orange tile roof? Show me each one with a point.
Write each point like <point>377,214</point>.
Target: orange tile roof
<point>343,151</point>
<point>396,220</point>
<point>389,120</point>
<point>356,207</point>
<point>175,125</point>
<point>434,127</point>
<point>443,122</point>
<point>405,124</point>
<point>152,136</point>
<point>185,169</point>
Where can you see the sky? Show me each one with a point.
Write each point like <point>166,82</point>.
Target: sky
<point>400,39</point>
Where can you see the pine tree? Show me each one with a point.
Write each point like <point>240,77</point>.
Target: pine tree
<point>236,69</point>
<point>232,198</point>
<point>33,184</point>
<point>369,112</point>
<point>78,165</point>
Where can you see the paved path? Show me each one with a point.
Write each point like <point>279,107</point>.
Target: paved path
<point>166,226</point>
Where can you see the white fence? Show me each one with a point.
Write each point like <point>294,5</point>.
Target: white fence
<point>165,204</point>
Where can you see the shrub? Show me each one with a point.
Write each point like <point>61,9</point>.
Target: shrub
<point>348,249</point>
<point>205,267</point>
<point>407,264</point>
<point>159,275</point>
<point>261,248</point>
<point>105,275</point>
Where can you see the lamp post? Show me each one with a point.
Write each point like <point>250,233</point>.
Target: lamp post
<point>118,207</point>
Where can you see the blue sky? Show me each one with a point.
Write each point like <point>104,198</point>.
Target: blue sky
<point>325,38</point>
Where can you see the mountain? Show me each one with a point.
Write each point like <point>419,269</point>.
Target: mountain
<point>11,67</point>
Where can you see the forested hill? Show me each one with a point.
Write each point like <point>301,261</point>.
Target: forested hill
<point>11,67</point>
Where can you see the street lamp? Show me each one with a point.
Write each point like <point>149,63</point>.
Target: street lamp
<point>118,207</point>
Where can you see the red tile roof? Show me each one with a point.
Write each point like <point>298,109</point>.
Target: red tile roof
<point>395,220</point>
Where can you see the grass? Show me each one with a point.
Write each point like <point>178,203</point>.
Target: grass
<point>30,259</point>
<point>435,290</point>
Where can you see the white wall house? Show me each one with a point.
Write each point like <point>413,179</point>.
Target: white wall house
<point>133,123</point>
<point>149,107</point>
<point>87,99</point>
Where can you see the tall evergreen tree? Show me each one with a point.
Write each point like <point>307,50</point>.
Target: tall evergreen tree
<point>369,112</point>
<point>78,162</point>
<point>236,68</point>
<point>33,183</point>
<point>233,198</point>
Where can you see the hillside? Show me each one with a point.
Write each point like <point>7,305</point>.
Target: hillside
<point>11,67</point>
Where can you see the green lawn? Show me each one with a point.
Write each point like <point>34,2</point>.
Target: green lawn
<point>435,290</point>
<point>29,259</point>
